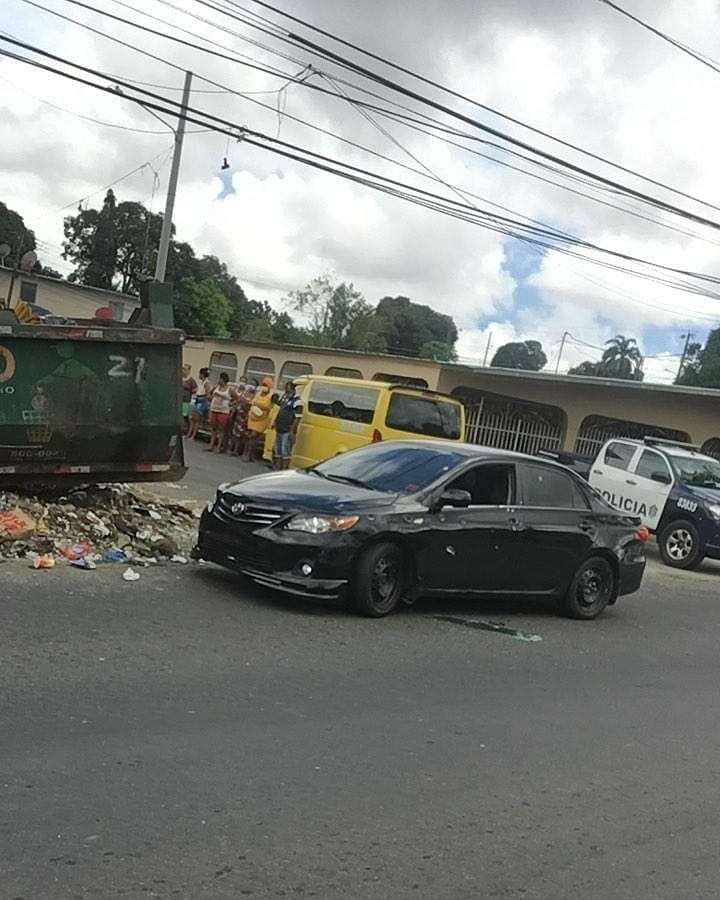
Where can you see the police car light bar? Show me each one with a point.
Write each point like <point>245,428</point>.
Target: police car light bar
<point>669,443</point>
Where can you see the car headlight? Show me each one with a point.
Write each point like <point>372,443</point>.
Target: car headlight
<point>221,488</point>
<point>714,510</point>
<point>321,524</point>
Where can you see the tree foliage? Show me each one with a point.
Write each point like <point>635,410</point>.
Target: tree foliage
<point>702,364</point>
<point>202,308</point>
<point>115,248</point>
<point>621,359</point>
<point>15,234</point>
<point>409,327</point>
<point>526,355</point>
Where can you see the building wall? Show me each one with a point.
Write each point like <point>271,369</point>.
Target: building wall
<point>692,412</point>
<point>65,299</point>
<point>199,353</point>
<point>695,412</point>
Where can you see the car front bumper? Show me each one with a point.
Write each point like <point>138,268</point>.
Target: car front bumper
<point>272,564</point>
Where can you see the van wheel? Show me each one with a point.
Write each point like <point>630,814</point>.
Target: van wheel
<point>590,591</point>
<point>379,580</point>
<point>680,545</point>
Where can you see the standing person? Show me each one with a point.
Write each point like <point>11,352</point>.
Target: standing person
<point>200,404</point>
<point>286,422</point>
<point>221,397</point>
<point>189,386</point>
<point>245,395</point>
<point>258,418</point>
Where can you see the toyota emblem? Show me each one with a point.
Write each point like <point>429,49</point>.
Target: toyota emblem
<point>237,509</point>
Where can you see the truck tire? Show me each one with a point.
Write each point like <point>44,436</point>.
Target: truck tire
<point>379,580</point>
<point>590,591</point>
<point>680,545</point>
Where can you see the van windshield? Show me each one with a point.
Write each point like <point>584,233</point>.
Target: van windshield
<point>431,416</point>
<point>391,467</point>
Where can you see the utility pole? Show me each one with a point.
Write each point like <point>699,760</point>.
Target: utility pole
<point>566,335</point>
<point>162,256</point>
<point>487,349</point>
<point>688,337</point>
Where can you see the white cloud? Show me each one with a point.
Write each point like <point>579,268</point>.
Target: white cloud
<point>582,73</point>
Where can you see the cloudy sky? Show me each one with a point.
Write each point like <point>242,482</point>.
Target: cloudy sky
<point>573,68</point>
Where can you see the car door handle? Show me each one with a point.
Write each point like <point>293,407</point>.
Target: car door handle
<point>517,525</point>
<point>630,481</point>
<point>598,472</point>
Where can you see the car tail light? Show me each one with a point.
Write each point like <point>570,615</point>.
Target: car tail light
<point>377,436</point>
<point>642,534</point>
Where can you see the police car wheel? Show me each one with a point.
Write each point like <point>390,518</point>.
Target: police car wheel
<point>680,545</point>
<point>592,588</point>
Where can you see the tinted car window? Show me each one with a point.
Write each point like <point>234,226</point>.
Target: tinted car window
<point>619,455</point>
<point>343,401</point>
<point>651,464</point>
<point>550,488</point>
<point>391,467</point>
<point>424,415</point>
<point>488,485</point>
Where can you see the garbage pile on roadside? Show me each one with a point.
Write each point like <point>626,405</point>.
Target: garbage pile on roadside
<point>91,526</point>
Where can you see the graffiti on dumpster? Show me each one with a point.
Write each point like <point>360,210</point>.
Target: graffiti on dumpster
<point>86,402</point>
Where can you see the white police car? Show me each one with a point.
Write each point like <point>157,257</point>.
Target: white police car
<point>672,487</point>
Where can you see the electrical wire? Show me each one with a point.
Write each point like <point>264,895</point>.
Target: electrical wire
<point>608,183</point>
<point>695,54</point>
<point>459,96</point>
<point>540,236</point>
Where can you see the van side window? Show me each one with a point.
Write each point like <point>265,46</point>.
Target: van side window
<point>619,455</point>
<point>423,415</point>
<point>343,401</point>
<point>652,465</point>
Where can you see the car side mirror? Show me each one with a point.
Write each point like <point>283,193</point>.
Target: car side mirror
<point>458,499</point>
<point>660,477</point>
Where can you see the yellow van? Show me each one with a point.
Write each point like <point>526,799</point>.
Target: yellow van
<point>340,414</point>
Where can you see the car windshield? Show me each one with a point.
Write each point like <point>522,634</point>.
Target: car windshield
<point>390,467</point>
<point>697,471</point>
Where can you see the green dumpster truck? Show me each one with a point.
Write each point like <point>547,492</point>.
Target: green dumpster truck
<point>89,402</point>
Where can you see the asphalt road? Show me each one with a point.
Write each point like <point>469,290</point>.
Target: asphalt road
<point>191,736</point>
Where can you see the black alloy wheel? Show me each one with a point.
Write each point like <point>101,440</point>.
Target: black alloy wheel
<point>592,588</point>
<point>379,580</point>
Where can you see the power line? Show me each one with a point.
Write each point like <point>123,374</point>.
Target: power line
<point>456,94</point>
<point>607,183</point>
<point>695,54</point>
<point>542,236</point>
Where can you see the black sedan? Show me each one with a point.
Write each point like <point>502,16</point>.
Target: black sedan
<point>396,520</point>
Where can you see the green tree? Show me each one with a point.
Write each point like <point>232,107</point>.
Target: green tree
<point>202,308</point>
<point>15,234</point>
<point>587,368</point>
<point>409,327</point>
<point>91,244</point>
<point>440,351</point>
<point>702,364</point>
<point>331,311</point>
<point>622,359</point>
<point>526,355</point>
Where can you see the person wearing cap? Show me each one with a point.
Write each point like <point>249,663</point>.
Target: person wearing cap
<point>286,422</point>
<point>200,404</point>
<point>258,418</point>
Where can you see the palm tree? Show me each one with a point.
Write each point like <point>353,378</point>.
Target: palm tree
<point>622,359</point>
